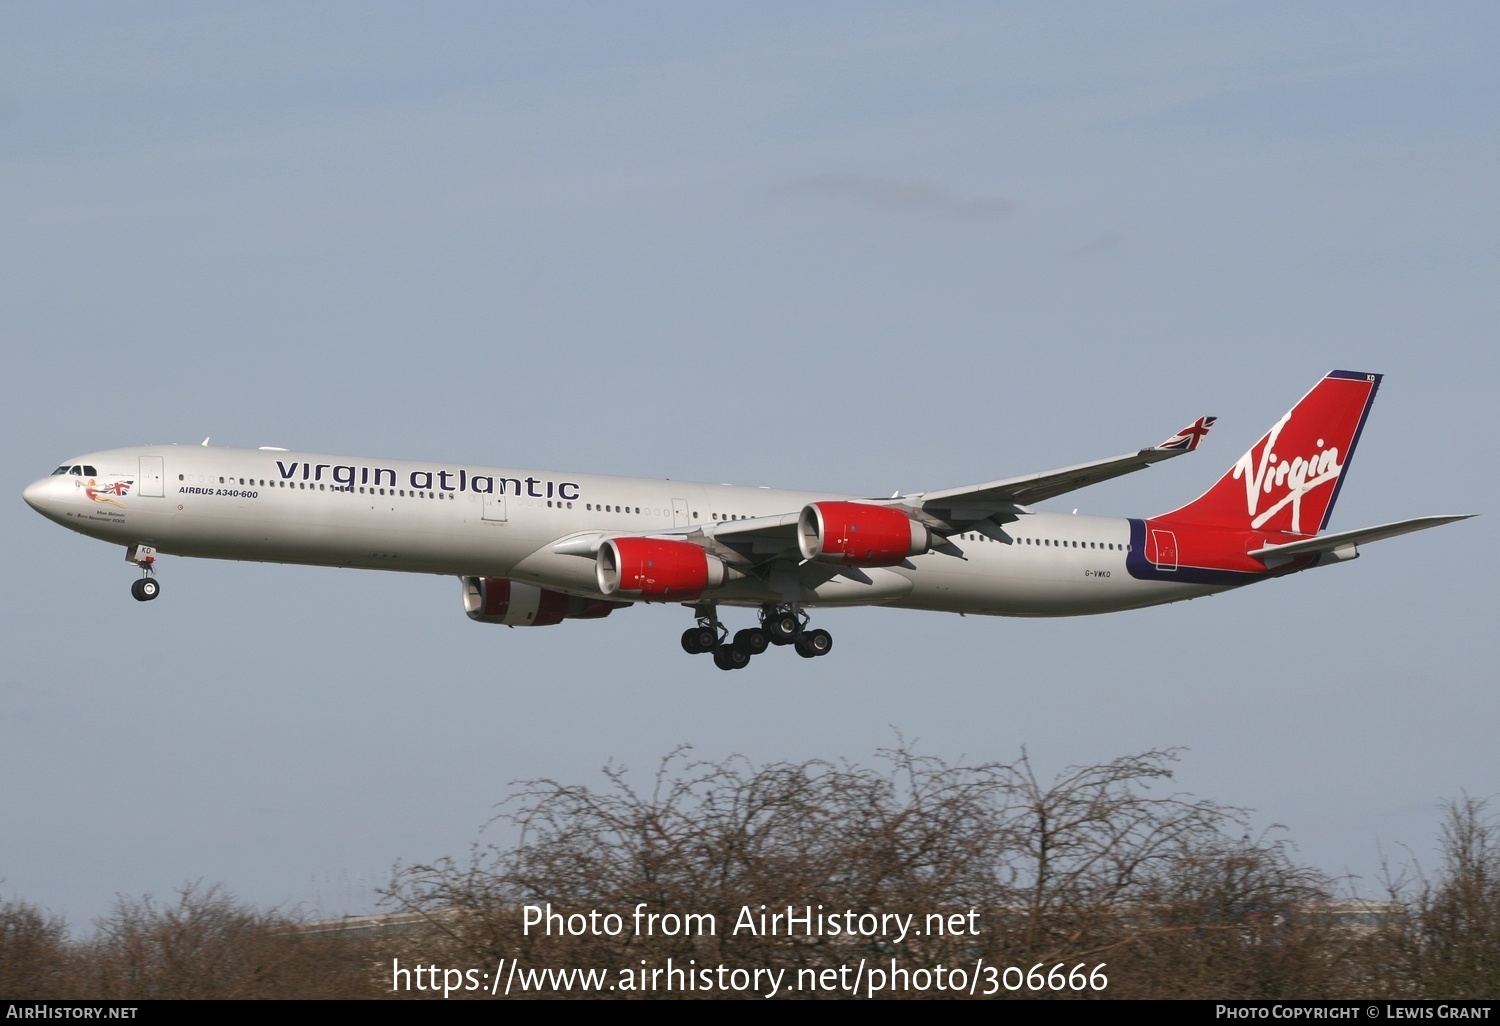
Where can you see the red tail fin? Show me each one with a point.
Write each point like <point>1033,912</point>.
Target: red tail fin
<point>1288,481</point>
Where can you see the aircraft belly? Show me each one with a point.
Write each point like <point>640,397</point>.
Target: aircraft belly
<point>376,538</point>
<point>878,586</point>
<point>1022,583</point>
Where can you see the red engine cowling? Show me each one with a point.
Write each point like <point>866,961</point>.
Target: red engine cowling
<point>859,534</point>
<point>517,604</point>
<point>658,570</point>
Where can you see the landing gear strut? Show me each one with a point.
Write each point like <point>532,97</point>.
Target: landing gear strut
<point>147,588</point>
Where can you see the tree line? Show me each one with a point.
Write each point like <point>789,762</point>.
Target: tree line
<point>1104,865</point>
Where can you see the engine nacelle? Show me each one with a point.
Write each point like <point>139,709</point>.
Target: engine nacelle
<point>658,570</point>
<point>517,604</point>
<point>859,534</point>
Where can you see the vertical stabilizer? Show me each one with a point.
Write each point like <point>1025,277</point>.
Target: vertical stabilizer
<point>1288,481</point>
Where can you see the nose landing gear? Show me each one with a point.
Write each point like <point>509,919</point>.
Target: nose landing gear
<point>147,588</point>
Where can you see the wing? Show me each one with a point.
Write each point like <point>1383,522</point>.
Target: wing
<point>977,502</point>
<point>760,540</point>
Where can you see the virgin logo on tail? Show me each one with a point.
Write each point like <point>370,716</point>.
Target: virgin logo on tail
<point>1268,491</point>
<point>1299,475</point>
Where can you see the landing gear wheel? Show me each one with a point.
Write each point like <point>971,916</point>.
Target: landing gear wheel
<point>690,641</point>
<point>753,640</point>
<point>814,644</point>
<point>731,657</point>
<point>145,589</point>
<point>783,628</point>
<point>818,642</point>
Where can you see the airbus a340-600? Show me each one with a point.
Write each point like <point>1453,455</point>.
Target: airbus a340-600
<point>534,548</point>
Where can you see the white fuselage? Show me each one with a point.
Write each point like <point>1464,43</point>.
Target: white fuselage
<point>288,507</point>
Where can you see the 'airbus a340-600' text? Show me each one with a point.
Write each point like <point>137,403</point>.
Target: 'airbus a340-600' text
<point>534,548</point>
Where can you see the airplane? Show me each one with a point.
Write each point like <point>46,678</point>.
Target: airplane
<point>534,548</point>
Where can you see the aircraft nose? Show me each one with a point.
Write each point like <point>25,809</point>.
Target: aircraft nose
<point>36,495</point>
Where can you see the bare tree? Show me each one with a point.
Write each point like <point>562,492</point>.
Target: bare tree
<point>1093,841</point>
<point>1060,871</point>
<point>207,945</point>
<point>715,839</point>
<point>1103,864</point>
<point>1447,944</point>
<point>1233,917</point>
<point>34,955</point>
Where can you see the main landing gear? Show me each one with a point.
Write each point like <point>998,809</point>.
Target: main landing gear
<point>779,625</point>
<point>147,588</point>
<point>711,636</point>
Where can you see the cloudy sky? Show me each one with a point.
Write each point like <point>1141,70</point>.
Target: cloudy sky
<point>855,247</point>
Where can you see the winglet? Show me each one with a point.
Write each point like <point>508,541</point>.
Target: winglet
<point>1188,438</point>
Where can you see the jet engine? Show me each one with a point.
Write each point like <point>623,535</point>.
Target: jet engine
<point>859,534</point>
<point>516,604</point>
<point>659,570</point>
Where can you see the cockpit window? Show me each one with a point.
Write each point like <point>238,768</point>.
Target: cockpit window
<point>77,470</point>
<point>60,470</point>
<point>89,471</point>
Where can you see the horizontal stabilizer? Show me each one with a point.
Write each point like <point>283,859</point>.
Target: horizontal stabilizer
<point>1330,542</point>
